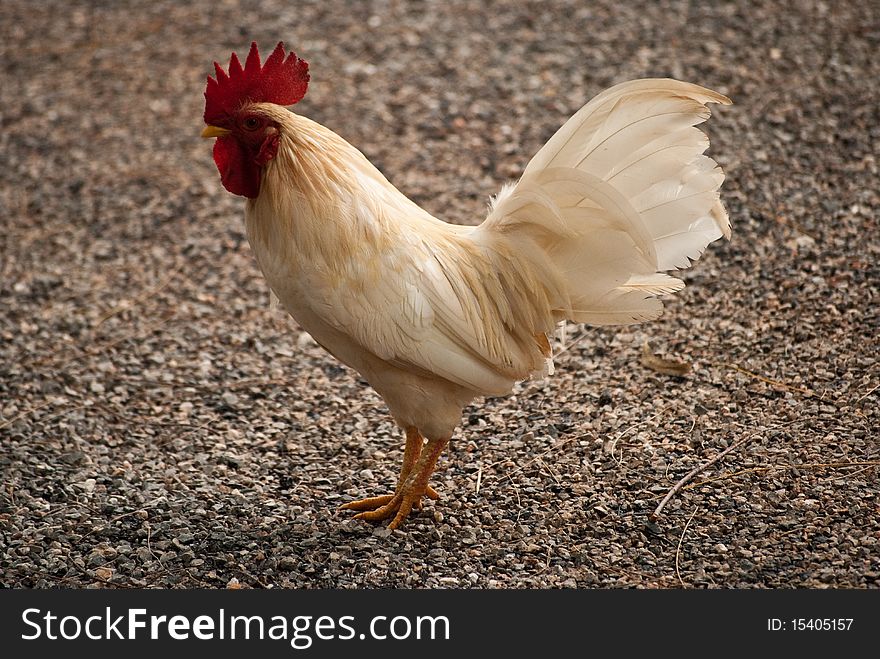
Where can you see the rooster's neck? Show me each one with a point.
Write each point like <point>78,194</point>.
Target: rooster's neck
<point>321,198</point>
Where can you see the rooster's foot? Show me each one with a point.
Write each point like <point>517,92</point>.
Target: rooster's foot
<point>397,505</point>
<point>418,465</point>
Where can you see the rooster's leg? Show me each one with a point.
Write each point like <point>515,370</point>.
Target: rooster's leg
<point>411,453</point>
<point>418,465</point>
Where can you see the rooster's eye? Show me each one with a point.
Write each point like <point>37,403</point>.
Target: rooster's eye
<point>251,123</point>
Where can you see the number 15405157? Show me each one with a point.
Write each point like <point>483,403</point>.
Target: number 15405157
<point>809,624</point>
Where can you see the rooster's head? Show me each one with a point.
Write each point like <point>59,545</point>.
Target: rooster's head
<point>247,139</point>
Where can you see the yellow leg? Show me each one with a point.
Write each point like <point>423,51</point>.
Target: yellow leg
<point>418,465</point>
<point>411,453</point>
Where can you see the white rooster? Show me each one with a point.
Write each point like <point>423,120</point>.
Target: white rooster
<point>432,314</point>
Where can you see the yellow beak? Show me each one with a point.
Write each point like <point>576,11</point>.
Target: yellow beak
<point>215,131</point>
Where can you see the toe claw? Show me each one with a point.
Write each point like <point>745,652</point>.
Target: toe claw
<point>402,513</point>
<point>383,512</point>
<point>371,503</point>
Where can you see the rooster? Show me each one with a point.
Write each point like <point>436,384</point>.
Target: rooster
<point>434,315</point>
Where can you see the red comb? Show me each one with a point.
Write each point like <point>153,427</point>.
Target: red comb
<point>283,80</point>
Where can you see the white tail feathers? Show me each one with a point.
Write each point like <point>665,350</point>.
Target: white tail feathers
<point>619,194</point>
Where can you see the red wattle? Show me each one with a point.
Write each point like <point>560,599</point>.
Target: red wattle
<point>238,171</point>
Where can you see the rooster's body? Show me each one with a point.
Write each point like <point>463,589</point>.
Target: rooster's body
<point>432,314</point>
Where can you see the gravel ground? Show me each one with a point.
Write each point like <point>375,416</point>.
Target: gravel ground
<point>161,427</point>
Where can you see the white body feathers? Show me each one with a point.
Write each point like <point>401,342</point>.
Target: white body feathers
<point>433,314</point>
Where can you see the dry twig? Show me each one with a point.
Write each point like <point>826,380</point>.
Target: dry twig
<point>665,366</point>
<point>809,465</point>
<point>771,381</point>
<point>555,447</point>
<point>27,412</point>
<point>680,540</point>
<point>692,473</point>
<point>870,391</point>
<point>623,433</point>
